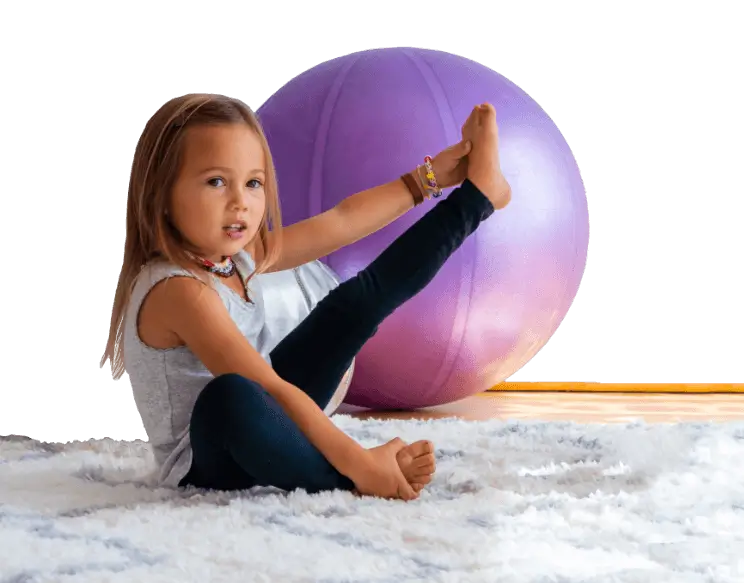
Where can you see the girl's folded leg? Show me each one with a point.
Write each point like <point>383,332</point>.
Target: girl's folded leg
<point>316,354</point>
<point>241,437</point>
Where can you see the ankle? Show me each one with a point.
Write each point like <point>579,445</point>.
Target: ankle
<point>494,187</point>
<point>502,193</point>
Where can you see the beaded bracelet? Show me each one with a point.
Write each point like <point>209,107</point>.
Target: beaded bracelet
<point>418,188</point>
<point>422,180</point>
<point>431,178</point>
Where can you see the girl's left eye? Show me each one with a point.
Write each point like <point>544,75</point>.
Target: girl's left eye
<point>254,183</point>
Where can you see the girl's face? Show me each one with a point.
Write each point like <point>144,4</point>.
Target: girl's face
<point>218,199</point>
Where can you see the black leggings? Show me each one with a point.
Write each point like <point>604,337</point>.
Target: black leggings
<point>241,437</point>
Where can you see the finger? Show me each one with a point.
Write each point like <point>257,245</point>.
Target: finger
<point>460,149</point>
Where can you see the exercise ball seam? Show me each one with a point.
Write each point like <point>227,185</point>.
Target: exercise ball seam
<point>459,325</point>
<point>321,139</point>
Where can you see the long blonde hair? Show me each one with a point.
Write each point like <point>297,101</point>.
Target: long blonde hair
<point>157,161</point>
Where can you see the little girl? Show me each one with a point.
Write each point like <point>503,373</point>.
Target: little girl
<point>203,217</point>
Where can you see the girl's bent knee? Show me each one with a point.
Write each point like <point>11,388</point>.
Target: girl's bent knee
<point>229,388</point>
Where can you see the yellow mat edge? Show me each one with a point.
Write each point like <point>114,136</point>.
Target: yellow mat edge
<point>620,387</point>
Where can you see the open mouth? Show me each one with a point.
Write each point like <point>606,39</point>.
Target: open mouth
<point>238,227</point>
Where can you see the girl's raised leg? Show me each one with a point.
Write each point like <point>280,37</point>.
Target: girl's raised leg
<point>316,354</point>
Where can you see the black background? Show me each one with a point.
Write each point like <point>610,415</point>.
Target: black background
<point>661,300</point>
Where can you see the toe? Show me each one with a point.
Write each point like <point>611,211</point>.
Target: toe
<point>421,447</point>
<point>425,464</point>
<point>425,479</point>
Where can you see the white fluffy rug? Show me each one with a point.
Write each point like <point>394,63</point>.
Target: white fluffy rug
<point>521,502</point>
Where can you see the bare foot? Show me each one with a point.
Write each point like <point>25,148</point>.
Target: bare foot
<point>484,163</point>
<point>417,463</point>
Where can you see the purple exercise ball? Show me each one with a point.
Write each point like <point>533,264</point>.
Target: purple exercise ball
<point>364,119</point>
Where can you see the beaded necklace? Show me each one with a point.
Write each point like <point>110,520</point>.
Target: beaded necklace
<point>226,268</point>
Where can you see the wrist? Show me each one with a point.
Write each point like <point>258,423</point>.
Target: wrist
<point>413,184</point>
<point>439,173</point>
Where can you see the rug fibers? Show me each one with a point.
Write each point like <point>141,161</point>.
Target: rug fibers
<point>511,502</point>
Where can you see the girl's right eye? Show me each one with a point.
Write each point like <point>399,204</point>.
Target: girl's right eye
<point>211,181</point>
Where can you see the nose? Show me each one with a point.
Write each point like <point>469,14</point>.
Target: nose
<point>238,198</point>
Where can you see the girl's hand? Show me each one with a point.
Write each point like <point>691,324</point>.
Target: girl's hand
<point>451,165</point>
<point>380,474</point>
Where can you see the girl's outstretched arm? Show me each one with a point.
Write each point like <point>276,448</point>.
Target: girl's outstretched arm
<point>360,214</point>
<point>352,219</point>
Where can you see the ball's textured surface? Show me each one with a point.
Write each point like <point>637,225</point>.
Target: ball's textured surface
<point>364,119</point>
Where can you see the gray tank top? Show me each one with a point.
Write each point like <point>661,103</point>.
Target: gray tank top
<point>167,382</point>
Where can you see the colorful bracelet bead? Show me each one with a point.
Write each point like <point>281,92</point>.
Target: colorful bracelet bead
<point>431,178</point>
<point>422,181</point>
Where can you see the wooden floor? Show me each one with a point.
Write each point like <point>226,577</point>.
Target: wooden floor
<point>611,407</point>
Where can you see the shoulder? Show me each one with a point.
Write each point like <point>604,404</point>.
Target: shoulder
<point>160,282</point>
<point>157,270</point>
<point>159,275</point>
<point>172,289</point>
<point>172,300</point>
